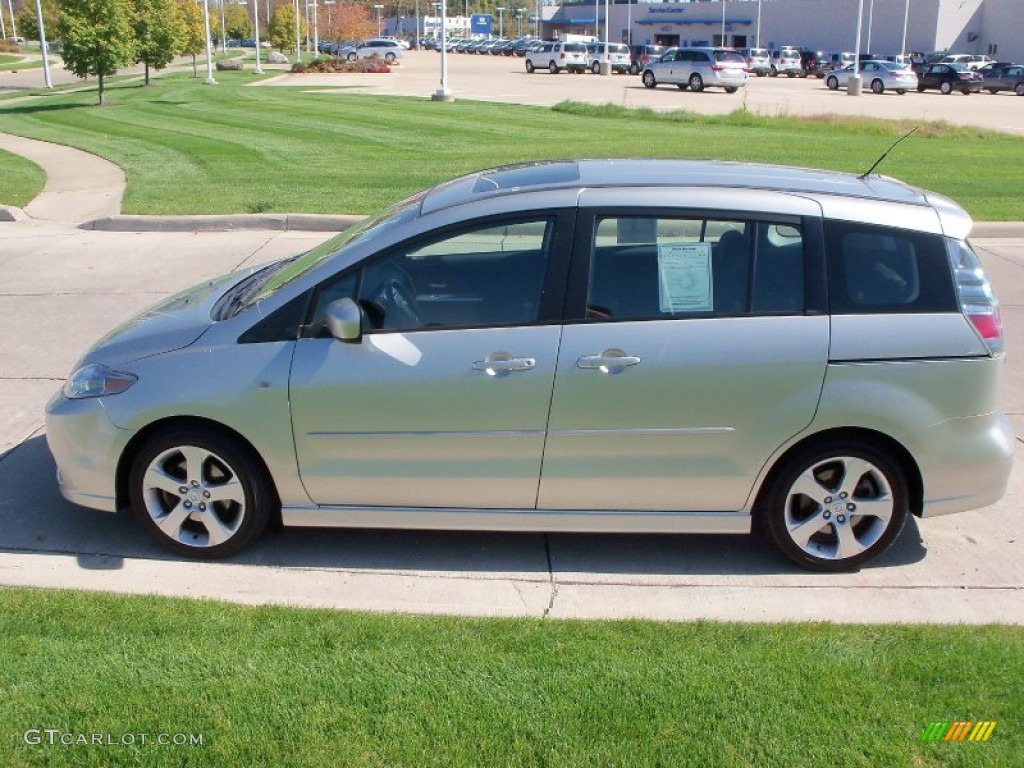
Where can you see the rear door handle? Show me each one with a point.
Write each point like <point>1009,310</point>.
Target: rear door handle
<point>609,361</point>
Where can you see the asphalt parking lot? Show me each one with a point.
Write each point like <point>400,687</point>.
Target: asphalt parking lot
<point>501,78</point>
<point>61,288</point>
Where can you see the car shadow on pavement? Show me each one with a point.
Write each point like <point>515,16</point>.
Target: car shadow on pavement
<point>35,518</point>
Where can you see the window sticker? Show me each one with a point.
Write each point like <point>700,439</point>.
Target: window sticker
<point>684,276</point>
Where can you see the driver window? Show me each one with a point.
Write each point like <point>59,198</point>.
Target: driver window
<point>482,277</point>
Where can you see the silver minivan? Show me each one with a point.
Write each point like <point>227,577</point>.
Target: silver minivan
<point>655,346</point>
<point>697,69</point>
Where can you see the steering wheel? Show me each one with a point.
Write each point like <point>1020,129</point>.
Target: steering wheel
<point>396,300</point>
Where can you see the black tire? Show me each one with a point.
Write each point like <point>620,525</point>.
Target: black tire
<point>877,86</point>
<point>965,91</point>
<point>649,79</point>
<point>351,57</point>
<point>731,89</point>
<point>529,67</point>
<point>773,72</point>
<point>682,86</point>
<point>788,514</point>
<point>220,461</point>
<point>901,92</point>
<point>696,83</point>
<point>634,69</point>
<point>1019,89</point>
<point>595,68</point>
<point>920,89</point>
<point>389,57</point>
<point>553,68</point>
<point>832,83</point>
<point>993,91</point>
<point>946,88</point>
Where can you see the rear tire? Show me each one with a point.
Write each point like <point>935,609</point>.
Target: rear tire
<point>945,88</point>
<point>529,67</point>
<point>877,86</point>
<point>835,506</point>
<point>696,83</point>
<point>731,89</point>
<point>595,68</point>
<point>1019,89</point>
<point>920,89</point>
<point>553,68</point>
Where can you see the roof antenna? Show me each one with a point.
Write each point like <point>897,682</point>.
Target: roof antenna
<point>885,154</point>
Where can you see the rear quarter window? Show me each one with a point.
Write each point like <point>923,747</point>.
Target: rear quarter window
<point>876,270</point>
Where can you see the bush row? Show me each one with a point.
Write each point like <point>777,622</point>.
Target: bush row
<point>338,65</point>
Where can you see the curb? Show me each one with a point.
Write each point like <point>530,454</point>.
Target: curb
<point>997,229</point>
<point>305,222</point>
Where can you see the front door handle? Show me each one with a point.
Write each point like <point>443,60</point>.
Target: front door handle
<point>609,361</point>
<point>502,364</point>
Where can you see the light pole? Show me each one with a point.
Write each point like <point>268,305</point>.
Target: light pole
<point>442,93</point>
<point>871,16</point>
<point>501,21</point>
<point>316,29</point>
<point>256,28</point>
<point>757,37</point>
<point>379,8</point>
<point>723,23</point>
<point>330,25</point>
<point>629,24</point>
<point>298,45</point>
<point>903,45</point>
<point>14,28</point>
<point>209,44</point>
<point>853,84</point>
<point>42,44</point>
<point>223,30</point>
<point>519,18</point>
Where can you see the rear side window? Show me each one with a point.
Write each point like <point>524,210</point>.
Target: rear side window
<point>659,268</point>
<point>729,56</point>
<point>874,270</point>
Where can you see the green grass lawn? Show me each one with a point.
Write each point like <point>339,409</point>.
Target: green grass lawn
<point>191,148</point>
<point>20,180</point>
<point>278,686</point>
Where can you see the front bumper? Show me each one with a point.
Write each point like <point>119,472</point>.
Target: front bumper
<point>86,446</point>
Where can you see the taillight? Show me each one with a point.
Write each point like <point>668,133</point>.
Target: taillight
<point>977,300</point>
<point>717,67</point>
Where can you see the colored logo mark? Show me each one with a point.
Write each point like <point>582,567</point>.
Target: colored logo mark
<point>961,730</point>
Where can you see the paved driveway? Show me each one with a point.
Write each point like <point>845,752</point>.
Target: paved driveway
<point>61,288</point>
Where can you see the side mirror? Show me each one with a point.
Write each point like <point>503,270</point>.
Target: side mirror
<point>344,319</point>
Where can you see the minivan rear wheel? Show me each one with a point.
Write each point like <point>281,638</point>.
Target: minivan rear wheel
<point>833,507</point>
<point>696,83</point>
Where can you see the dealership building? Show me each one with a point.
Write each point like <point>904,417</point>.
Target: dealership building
<point>994,27</point>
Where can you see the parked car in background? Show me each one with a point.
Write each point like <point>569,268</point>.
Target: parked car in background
<point>618,57</point>
<point>758,60</point>
<point>697,69</point>
<point>1005,78</point>
<point>969,60</point>
<point>812,63</point>
<point>640,55</point>
<point>389,50</point>
<point>786,61</point>
<point>878,76</point>
<point>836,61</point>
<point>556,57</point>
<point>947,78</point>
<point>633,346</point>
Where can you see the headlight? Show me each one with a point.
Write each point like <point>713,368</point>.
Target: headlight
<point>95,380</point>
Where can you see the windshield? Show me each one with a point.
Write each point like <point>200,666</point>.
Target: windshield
<point>285,272</point>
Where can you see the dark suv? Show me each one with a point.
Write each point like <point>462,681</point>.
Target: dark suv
<point>813,63</point>
<point>640,55</point>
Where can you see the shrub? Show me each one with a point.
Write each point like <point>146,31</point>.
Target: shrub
<point>341,66</point>
<point>9,46</point>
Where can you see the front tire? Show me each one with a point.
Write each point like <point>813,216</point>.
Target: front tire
<point>945,88</point>
<point>552,68</point>
<point>877,86</point>
<point>351,57</point>
<point>832,83</point>
<point>595,68</point>
<point>833,507</point>
<point>529,67</point>
<point>649,80</point>
<point>389,57</point>
<point>1019,89</point>
<point>200,493</point>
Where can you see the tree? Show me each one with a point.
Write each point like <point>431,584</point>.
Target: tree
<point>281,29</point>
<point>193,27</point>
<point>158,32</point>
<point>351,22</point>
<point>96,37</point>
<point>237,21</point>
<point>28,24</point>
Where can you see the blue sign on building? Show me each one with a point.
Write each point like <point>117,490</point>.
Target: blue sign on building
<point>480,23</point>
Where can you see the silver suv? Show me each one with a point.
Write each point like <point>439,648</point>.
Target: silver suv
<point>556,57</point>
<point>656,346</point>
<point>697,69</point>
<point>618,57</point>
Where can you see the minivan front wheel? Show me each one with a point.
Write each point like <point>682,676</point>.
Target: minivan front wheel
<point>199,493</point>
<point>648,78</point>
<point>834,507</point>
